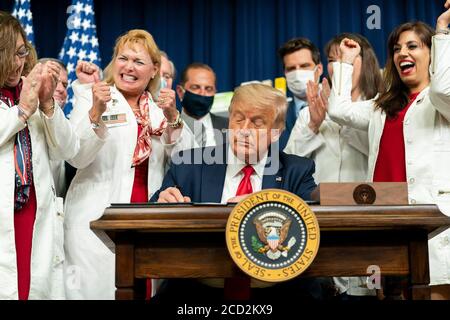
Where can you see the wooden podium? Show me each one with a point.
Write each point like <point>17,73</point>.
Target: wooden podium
<point>188,241</point>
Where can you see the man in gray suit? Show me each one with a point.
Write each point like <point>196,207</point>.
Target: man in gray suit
<point>196,91</point>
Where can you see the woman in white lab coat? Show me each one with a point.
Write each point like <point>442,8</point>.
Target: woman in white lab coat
<point>408,124</point>
<point>33,130</point>
<point>340,152</point>
<point>140,137</point>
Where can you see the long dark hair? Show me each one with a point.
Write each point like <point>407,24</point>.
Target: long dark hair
<point>370,81</point>
<point>396,95</point>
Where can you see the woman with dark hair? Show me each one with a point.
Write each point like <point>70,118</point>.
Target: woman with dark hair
<point>408,123</point>
<point>367,81</point>
<point>33,130</point>
<point>340,152</point>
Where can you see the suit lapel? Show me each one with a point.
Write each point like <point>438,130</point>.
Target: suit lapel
<point>273,172</point>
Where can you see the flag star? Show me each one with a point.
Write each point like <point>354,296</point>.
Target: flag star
<point>76,22</point>
<point>74,37</point>
<point>86,24</point>
<point>82,54</point>
<point>94,42</point>
<point>84,39</point>
<point>78,7</point>
<point>88,9</point>
<point>70,67</point>
<point>72,52</point>
<point>21,13</point>
<point>93,56</point>
<point>28,29</point>
<point>29,15</point>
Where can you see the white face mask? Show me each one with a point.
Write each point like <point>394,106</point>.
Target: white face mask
<point>297,80</point>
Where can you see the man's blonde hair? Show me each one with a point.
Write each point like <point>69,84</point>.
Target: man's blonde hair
<point>262,96</point>
<point>142,37</point>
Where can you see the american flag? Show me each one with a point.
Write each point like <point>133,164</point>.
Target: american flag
<point>22,12</point>
<point>80,43</point>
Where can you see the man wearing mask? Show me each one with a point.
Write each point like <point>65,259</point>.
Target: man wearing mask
<point>301,62</point>
<point>196,91</point>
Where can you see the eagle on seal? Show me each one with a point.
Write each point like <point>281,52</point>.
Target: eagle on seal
<point>272,236</point>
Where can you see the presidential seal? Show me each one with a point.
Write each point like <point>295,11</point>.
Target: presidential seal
<point>272,235</point>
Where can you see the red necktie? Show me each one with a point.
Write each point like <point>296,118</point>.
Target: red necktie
<point>238,288</point>
<point>245,186</point>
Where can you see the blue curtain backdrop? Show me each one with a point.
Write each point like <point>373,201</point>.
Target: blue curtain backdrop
<point>238,38</point>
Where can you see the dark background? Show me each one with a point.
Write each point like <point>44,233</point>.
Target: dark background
<point>238,38</point>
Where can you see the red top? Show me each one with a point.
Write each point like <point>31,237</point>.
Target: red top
<point>23,231</point>
<point>390,165</point>
<point>140,189</point>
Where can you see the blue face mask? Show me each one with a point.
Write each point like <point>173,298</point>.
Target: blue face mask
<point>196,105</point>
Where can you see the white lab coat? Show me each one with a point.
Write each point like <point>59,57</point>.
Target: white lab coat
<point>426,130</point>
<point>51,138</point>
<point>106,177</point>
<point>340,152</point>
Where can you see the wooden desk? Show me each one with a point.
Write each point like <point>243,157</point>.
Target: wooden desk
<point>183,241</point>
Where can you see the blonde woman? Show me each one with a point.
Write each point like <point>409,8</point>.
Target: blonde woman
<point>140,135</point>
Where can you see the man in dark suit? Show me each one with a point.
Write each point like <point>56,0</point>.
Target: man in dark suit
<point>213,174</point>
<point>301,63</point>
<point>249,162</point>
<point>196,91</point>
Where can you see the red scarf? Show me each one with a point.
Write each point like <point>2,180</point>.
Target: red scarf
<point>144,142</point>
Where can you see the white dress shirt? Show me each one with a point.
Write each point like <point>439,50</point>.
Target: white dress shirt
<point>234,175</point>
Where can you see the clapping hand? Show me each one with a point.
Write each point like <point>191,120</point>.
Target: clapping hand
<point>317,103</point>
<point>49,80</point>
<point>29,96</point>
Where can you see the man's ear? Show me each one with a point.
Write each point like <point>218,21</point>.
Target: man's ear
<point>180,92</point>
<point>319,72</point>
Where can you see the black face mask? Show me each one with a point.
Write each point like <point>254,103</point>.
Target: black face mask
<point>196,105</point>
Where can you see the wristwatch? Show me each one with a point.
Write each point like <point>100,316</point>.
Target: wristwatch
<point>177,123</point>
<point>94,125</point>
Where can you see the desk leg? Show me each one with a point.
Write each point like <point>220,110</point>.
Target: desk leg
<point>125,281</point>
<point>419,267</point>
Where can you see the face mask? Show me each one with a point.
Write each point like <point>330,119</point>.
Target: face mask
<point>297,80</point>
<point>196,105</point>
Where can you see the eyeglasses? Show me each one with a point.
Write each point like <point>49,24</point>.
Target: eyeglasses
<point>23,52</point>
